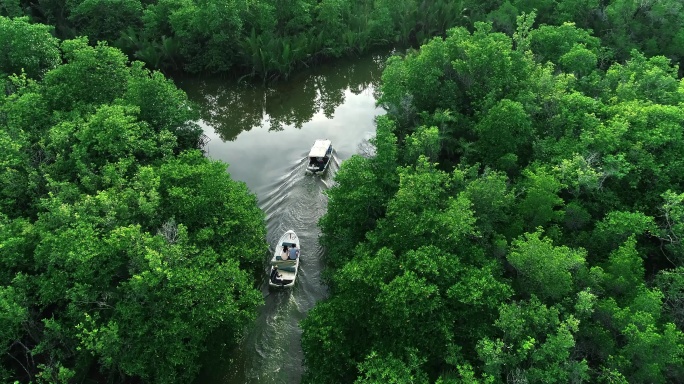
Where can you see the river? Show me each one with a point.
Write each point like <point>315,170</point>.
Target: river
<point>265,133</point>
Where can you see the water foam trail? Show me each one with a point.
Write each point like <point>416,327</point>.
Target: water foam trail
<point>279,190</point>
<point>270,351</point>
<point>294,201</point>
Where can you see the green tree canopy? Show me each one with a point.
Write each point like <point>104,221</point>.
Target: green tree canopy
<point>122,248</point>
<point>533,225</point>
<point>27,47</point>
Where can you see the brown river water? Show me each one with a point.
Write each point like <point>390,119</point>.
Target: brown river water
<point>264,133</point>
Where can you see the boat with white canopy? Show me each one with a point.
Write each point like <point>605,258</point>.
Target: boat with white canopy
<point>319,156</point>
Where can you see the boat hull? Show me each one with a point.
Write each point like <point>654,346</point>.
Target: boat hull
<point>287,268</point>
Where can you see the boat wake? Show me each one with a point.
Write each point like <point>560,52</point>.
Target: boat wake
<point>295,201</point>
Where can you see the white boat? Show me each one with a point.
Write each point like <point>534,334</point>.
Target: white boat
<point>319,156</point>
<point>287,269</point>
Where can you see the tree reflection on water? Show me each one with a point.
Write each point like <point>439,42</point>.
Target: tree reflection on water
<point>232,108</point>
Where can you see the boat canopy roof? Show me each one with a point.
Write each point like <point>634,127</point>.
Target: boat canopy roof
<point>320,148</point>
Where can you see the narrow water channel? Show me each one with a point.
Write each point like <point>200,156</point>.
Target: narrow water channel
<point>265,133</point>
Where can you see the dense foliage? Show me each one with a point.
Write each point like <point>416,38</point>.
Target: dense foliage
<point>520,221</point>
<point>268,38</point>
<point>122,248</point>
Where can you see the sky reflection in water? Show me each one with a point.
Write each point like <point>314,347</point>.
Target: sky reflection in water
<point>259,129</point>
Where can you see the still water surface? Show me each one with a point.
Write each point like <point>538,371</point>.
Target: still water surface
<point>265,133</point>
